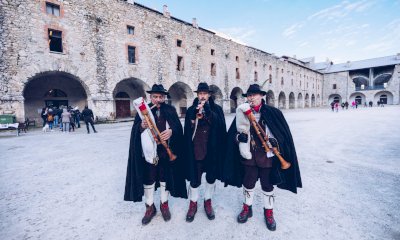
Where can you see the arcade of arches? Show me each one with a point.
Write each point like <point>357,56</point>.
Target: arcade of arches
<point>58,89</point>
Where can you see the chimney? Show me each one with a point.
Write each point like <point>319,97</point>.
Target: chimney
<point>131,1</point>
<point>398,56</point>
<point>348,64</point>
<point>194,23</point>
<point>166,12</point>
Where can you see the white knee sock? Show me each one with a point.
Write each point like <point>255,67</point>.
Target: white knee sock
<point>269,199</point>
<point>248,196</point>
<point>209,191</point>
<point>163,192</point>
<point>149,194</point>
<point>194,194</point>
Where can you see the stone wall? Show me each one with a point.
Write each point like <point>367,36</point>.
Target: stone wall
<point>95,42</point>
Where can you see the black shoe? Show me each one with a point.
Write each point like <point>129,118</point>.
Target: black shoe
<point>149,214</point>
<point>191,212</point>
<point>246,213</point>
<point>269,219</point>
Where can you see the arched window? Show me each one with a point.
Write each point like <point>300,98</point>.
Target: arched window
<point>270,67</point>
<point>336,99</point>
<point>270,78</point>
<point>359,100</point>
<point>53,93</point>
<point>383,99</point>
<point>121,95</point>
<point>282,81</point>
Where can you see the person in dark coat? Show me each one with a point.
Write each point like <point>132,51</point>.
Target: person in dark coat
<point>88,117</point>
<point>256,164</point>
<point>205,136</point>
<point>142,177</point>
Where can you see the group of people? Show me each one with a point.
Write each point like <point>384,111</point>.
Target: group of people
<point>237,158</point>
<point>354,104</point>
<point>66,118</point>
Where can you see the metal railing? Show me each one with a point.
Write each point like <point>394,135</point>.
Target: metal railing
<point>366,88</point>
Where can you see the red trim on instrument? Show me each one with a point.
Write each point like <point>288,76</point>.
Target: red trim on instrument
<point>142,107</point>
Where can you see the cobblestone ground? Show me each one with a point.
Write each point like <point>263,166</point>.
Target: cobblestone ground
<point>70,186</point>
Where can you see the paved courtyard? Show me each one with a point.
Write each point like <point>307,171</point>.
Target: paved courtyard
<point>70,186</point>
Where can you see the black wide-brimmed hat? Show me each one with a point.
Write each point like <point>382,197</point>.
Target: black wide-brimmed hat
<point>158,88</point>
<point>203,87</point>
<point>254,88</point>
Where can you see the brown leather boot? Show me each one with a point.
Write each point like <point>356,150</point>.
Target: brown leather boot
<point>269,219</point>
<point>209,209</point>
<point>165,211</point>
<point>191,212</point>
<point>149,214</point>
<point>246,213</point>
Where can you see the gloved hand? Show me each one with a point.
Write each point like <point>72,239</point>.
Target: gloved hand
<point>274,142</point>
<point>242,137</point>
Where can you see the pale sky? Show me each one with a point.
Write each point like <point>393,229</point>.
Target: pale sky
<point>338,30</point>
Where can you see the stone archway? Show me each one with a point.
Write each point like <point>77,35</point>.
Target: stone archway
<point>181,96</point>
<point>385,97</point>
<point>300,100</point>
<point>281,100</point>
<point>236,98</point>
<point>270,98</point>
<point>53,89</point>
<point>307,101</point>
<point>292,101</point>
<point>312,100</point>
<point>217,95</point>
<point>334,98</point>
<point>124,93</point>
<point>358,97</point>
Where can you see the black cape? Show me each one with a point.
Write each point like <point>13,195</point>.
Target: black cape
<point>174,175</point>
<point>288,179</point>
<point>216,142</point>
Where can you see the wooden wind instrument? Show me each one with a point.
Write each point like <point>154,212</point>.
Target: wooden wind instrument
<point>155,132</point>
<point>264,139</point>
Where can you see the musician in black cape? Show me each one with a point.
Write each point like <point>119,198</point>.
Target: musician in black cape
<point>245,171</point>
<point>143,178</point>
<point>205,137</point>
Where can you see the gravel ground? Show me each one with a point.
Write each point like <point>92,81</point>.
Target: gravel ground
<point>71,185</point>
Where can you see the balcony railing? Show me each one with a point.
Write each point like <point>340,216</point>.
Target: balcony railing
<point>366,88</point>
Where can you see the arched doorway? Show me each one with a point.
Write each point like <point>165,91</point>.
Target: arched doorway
<point>334,98</point>
<point>300,101</point>
<point>235,98</point>
<point>358,97</point>
<point>216,94</point>
<point>270,98</point>
<point>282,100</point>
<point>312,100</point>
<point>292,101</point>
<point>53,89</point>
<point>307,101</point>
<point>124,93</point>
<point>384,96</point>
<point>181,96</point>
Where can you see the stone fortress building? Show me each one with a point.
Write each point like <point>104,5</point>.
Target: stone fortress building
<point>105,53</point>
